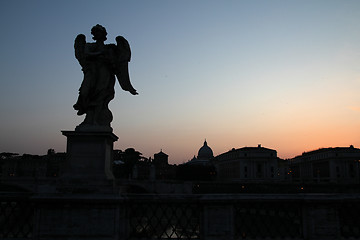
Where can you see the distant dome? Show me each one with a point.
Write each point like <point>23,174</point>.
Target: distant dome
<point>205,152</point>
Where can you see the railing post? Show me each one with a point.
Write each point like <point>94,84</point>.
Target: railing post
<point>320,221</point>
<point>76,218</point>
<point>218,222</point>
<point>122,223</point>
<point>36,223</point>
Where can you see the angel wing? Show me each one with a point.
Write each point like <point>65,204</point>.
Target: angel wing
<point>79,46</point>
<point>123,48</point>
<point>121,66</point>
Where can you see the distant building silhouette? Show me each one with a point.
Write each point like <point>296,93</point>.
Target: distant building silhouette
<point>327,165</point>
<point>205,152</point>
<point>204,157</point>
<point>161,159</point>
<point>200,168</point>
<point>248,164</point>
<point>162,168</point>
<point>339,165</point>
<point>33,166</point>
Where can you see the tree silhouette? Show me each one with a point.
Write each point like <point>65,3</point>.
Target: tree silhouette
<point>124,162</point>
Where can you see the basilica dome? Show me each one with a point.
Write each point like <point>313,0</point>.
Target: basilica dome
<point>205,152</point>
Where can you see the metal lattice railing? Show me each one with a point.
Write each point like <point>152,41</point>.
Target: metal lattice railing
<point>268,220</point>
<point>16,218</point>
<point>163,220</point>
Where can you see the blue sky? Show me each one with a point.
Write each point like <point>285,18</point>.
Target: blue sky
<point>284,74</point>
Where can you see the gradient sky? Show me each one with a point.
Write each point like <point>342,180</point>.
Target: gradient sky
<point>284,74</point>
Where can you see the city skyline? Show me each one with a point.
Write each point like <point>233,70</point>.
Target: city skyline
<point>283,74</point>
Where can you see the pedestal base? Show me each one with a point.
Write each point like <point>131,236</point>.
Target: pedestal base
<point>89,159</point>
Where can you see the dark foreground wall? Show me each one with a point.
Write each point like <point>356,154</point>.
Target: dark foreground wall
<point>246,216</point>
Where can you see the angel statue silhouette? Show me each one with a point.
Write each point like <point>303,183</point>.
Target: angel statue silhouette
<point>100,63</point>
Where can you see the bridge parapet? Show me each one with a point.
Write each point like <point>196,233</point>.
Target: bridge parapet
<point>144,216</point>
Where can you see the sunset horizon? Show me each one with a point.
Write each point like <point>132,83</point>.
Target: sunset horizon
<point>282,74</point>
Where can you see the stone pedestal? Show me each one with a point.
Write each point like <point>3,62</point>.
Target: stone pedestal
<point>89,158</point>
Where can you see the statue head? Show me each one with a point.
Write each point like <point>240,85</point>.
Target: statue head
<point>99,33</point>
